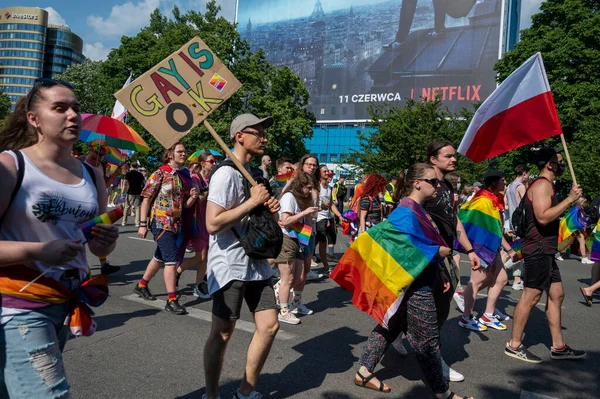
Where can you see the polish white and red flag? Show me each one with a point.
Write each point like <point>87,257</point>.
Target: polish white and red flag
<point>519,112</point>
<point>119,111</point>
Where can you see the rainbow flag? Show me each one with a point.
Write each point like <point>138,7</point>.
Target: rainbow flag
<point>482,222</point>
<point>284,178</point>
<point>595,252</point>
<point>384,261</point>
<point>517,246</point>
<point>301,231</point>
<point>575,219</point>
<point>106,218</point>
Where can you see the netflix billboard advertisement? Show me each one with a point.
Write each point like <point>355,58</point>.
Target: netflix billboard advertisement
<point>353,53</point>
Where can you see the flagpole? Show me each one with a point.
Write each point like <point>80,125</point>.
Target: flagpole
<point>564,143</point>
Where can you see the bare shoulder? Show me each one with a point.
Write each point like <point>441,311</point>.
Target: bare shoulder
<point>540,188</point>
<point>8,171</point>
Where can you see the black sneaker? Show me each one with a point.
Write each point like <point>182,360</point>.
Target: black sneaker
<point>566,354</point>
<point>175,308</point>
<point>522,354</point>
<point>107,268</point>
<point>144,292</point>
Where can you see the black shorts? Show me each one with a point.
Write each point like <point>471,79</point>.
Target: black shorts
<point>326,233</point>
<point>259,295</point>
<point>540,270</point>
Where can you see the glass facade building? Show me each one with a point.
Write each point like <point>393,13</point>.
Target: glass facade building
<point>334,143</point>
<point>30,48</point>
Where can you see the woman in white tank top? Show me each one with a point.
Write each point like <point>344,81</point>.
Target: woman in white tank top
<point>39,236</point>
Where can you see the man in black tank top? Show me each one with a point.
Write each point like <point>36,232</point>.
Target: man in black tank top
<point>543,211</point>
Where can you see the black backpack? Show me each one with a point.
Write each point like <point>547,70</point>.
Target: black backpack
<point>519,219</point>
<point>594,211</point>
<point>264,238</point>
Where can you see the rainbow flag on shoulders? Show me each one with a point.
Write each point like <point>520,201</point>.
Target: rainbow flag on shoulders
<point>575,219</point>
<point>595,251</point>
<point>384,261</point>
<point>284,178</point>
<point>301,231</point>
<point>483,224</point>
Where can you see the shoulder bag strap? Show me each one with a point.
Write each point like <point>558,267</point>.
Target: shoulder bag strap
<point>20,175</point>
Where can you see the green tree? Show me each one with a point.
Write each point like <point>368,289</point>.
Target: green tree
<point>402,133</point>
<point>266,90</point>
<point>4,105</point>
<point>567,33</point>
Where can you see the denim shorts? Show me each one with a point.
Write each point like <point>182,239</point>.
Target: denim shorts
<point>31,345</point>
<point>166,246</point>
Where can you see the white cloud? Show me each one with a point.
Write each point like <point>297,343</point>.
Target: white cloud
<point>54,17</point>
<point>124,19</point>
<point>95,51</point>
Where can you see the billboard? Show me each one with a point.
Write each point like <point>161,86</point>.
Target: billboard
<point>353,53</point>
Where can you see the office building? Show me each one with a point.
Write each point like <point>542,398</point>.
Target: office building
<point>30,48</point>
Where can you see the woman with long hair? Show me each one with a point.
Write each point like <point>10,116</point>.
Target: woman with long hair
<point>296,207</point>
<point>194,224</point>
<point>371,207</point>
<point>46,194</point>
<point>417,314</point>
<point>168,190</point>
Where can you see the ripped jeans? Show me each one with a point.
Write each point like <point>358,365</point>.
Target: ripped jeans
<point>31,363</point>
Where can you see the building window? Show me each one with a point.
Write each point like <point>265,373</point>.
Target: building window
<point>334,158</point>
<point>333,110</point>
<point>323,158</point>
<point>322,111</point>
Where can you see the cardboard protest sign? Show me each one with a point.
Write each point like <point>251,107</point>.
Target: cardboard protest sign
<point>179,92</point>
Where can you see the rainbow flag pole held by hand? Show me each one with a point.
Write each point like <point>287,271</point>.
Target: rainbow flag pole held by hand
<point>105,218</point>
<point>384,261</point>
<point>284,178</point>
<point>301,231</point>
<point>481,220</point>
<point>575,219</point>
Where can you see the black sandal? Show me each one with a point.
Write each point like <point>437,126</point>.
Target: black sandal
<point>587,298</point>
<point>365,381</point>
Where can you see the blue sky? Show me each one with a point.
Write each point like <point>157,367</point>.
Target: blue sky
<point>101,23</point>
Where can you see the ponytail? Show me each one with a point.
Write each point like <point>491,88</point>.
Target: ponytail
<point>415,172</point>
<point>18,133</point>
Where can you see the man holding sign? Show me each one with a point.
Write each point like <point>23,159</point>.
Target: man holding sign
<point>232,275</point>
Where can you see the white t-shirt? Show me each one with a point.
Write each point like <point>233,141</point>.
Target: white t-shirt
<point>324,199</point>
<point>227,260</point>
<point>289,205</point>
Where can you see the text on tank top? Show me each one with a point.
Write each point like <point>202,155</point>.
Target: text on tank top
<point>45,210</point>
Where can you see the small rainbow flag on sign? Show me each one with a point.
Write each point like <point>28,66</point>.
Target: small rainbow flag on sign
<point>384,261</point>
<point>301,231</point>
<point>595,252</point>
<point>284,178</point>
<point>517,246</point>
<point>105,218</point>
<point>575,219</point>
<point>218,82</point>
<point>481,219</point>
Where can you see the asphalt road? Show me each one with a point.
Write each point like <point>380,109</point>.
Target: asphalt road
<point>141,351</point>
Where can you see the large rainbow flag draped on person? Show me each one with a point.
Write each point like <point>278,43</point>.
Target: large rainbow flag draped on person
<point>383,262</point>
<point>481,219</point>
<point>595,252</point>
<point>575,219</point>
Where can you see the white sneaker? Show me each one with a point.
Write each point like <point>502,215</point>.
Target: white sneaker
<point>288,317</point>
<point>312,275</point>
<point>518,286</point>
<point>300,308</point>
<point>450,374</point>
<point>460,301</point>
<point>492,322</point>
<point>500,315</point>
<point>313,263</point>
<point>587,261</point>
<point>558,256</point>
<point>471,324</point>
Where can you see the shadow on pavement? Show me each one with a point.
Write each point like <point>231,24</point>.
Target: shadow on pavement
<point>329,353</point>
<point>113,320</point>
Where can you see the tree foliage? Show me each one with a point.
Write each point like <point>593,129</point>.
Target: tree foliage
<point>4,105</point>
<point>567,33</point>
<point>266,90</point>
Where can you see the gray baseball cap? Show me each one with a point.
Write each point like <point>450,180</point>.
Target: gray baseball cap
<point>477,184</point>
<point>246,120</point>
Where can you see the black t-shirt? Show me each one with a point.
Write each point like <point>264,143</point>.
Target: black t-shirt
<point>442,212</point>
<point>136,182</point>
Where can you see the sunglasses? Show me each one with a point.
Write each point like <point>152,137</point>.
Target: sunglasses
<point>45,82</point>
<point>260,136</point>
<point>211,161</point>
<point>434,182</point>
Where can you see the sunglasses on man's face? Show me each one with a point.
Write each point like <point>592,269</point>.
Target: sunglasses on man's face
<point>45,82</point>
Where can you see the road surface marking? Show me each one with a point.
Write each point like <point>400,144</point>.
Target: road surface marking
<point>207,316</point>
<point>141,239</point>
